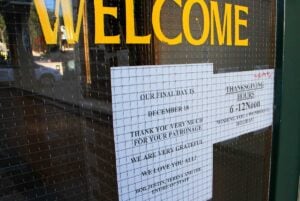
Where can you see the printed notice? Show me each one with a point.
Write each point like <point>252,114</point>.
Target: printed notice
<point>167,118</point>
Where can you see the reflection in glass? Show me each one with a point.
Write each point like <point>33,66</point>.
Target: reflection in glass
<point>56,138</point>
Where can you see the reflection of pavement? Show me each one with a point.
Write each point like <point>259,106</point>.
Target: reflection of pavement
<point>70,91</point>
<point>41,150</point>
<point>13,196</point>
<point>13,183</point>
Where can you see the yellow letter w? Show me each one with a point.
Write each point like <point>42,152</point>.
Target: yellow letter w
<point>50,34</point>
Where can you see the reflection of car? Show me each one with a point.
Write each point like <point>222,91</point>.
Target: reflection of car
<point>47,76</point>
<point>6,73</point>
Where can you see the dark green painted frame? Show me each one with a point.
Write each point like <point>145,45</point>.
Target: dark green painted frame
<point>286,143</point>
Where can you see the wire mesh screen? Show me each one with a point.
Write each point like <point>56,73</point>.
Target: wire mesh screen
<point>74,113</point>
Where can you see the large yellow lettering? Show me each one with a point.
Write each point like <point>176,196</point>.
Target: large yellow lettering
<point>238,23</point>
<point>67,13</point>
<point>227,25</point>
<point>156,22</point>
<point>211,23</point>
<point>100,11</point>
<point>131,37</point>
<point>186,22</point>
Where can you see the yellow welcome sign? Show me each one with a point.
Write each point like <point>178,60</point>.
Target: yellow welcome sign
<point>212,24</point>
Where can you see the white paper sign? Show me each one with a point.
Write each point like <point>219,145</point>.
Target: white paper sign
<point>167,118</point>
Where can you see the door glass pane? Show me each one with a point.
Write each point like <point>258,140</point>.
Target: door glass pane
<point>58,124</point>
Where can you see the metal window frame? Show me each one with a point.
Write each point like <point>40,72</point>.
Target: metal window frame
<point>286,140</point>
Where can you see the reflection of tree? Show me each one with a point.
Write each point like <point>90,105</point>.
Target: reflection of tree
<point>3,40</point>
<point>2,29</point>
<point>36,36</point>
